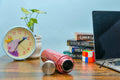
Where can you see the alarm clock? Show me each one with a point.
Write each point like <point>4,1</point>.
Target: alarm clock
<point>19,43</point>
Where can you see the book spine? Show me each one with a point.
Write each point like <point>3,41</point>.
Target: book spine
<point>73,55</point>
<point>83,36</point>
<point>80,43</point>
<point>74,49</point>
<point>77,50</point>
<point>76,56</point>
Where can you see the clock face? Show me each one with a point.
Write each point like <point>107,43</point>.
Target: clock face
<point>19,43</point>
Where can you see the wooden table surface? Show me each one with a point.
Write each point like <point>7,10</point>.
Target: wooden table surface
<point>31,70</point>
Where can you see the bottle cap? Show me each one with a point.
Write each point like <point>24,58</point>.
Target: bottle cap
<point>48,67</point>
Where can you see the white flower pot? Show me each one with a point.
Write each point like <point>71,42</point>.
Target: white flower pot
<point>36,53</point>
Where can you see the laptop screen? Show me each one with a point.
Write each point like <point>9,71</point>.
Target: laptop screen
<point>106,29</point>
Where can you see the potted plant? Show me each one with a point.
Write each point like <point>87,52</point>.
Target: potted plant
<point>30,21</point>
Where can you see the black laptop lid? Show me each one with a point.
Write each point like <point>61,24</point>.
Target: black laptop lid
<point>106,29</point>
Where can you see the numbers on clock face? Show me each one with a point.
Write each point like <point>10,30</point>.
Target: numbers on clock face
<point>19,42</point>
<point>28,48</point>
<point>25,33</point>
<point>24,52</point>
<point>14,33</point>
<point>30,43</point>
<point>19,31</point>
<point>9,36</point>
<point>28,37</point>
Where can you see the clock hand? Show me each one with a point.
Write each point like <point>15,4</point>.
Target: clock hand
<point>20,42</point>
<point>23,48</point>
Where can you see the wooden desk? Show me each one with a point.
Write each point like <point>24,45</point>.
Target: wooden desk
<point>31,70</point>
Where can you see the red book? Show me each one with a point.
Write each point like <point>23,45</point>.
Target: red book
<point>83,36</point>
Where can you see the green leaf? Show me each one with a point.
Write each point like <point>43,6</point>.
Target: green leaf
<point>25,11</point>
<point>41,12</point>
<point>25,17</point>
<point>30,23</point>
<point>37,11</point>
<point>34,20</point>
<point>22,17</point>
<point>34,10</point>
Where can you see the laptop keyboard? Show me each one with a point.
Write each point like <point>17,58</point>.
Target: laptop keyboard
<point>111,63</point>
<point>115,63</point>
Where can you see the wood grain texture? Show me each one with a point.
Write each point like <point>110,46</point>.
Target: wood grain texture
<point>31,70</point>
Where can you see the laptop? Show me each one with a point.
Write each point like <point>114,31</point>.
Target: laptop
<point>106,30</point>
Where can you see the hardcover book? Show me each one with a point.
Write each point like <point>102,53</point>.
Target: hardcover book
<point>80,43</point>
<point>83,36</point>
<point>75,49</point>
<point>73,55</point>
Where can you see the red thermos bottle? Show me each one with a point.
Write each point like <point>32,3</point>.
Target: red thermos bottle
<point>64,63</point>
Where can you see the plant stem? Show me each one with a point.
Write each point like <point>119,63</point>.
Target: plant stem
<point>33,28</point>
<point>30,28</point>
<point>25,22</point>
<point>26,18</point>
<point>30,16</point>
<point>37,15</point>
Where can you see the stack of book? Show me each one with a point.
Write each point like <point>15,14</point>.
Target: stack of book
<point>81,41</point>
